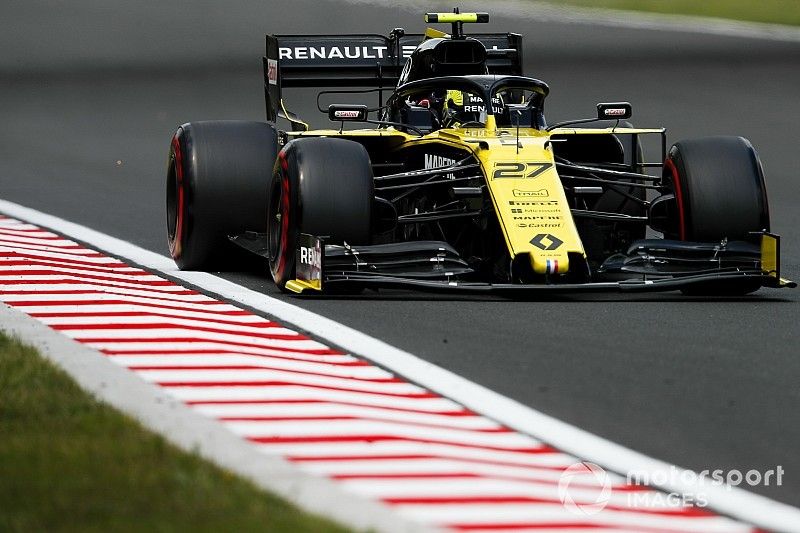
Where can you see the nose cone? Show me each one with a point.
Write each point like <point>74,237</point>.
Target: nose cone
<point>549,265</point>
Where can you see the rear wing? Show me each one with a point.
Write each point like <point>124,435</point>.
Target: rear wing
<point>361,61</point>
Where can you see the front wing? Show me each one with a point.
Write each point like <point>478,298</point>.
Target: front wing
<point>652,265</point>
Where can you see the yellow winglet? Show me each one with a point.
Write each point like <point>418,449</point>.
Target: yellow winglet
<point>770,255</point>
<point>298,286</point>
<point>771,261</point>
<point>431,33</point>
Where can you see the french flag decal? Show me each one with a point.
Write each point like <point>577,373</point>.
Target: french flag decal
<point>552,266</point>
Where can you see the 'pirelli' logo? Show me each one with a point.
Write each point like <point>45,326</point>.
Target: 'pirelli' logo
<point>519,171</point>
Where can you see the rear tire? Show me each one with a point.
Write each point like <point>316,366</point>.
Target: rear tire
<point>323,187</point>
<point>719,190</point>
<point>217,181</point>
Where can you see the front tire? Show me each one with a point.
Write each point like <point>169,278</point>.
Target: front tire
<point>718,184</point>
<point>719,189</point>
<point>323,187</point>
<point>217,181</point>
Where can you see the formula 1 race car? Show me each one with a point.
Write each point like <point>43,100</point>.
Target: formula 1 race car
<point>460,184</point>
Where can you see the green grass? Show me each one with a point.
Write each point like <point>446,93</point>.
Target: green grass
<point>69,462</point>
<point>773,11</point>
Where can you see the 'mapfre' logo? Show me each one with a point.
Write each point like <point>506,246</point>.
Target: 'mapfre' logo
<point>437,161</point>
<point>519,171</point>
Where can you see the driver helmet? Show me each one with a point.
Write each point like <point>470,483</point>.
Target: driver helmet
<point>463,107</point>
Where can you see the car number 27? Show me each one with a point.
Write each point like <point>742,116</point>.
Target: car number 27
<point>517,171</point>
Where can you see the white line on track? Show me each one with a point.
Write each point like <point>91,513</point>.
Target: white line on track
<point>222,361</point>
<point>309,452</point>
<point>548,12</point>
<point>255,394</point>
<point>733,501</point>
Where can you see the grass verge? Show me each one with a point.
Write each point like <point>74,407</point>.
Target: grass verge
<point>772,11</point>
<point>69,462</point>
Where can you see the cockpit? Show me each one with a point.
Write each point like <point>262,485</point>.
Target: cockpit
<point>467,101</point>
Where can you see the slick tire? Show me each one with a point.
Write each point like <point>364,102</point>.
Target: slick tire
<point>719,190</point>
<point>323,187</point>
<point>217,180</point>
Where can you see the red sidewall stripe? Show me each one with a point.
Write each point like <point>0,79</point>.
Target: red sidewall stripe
<point>676,183</point>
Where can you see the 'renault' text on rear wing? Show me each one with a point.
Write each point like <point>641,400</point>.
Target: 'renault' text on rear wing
<point>361,61</point>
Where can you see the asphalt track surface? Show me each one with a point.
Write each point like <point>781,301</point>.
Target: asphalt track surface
<point>90,93</point>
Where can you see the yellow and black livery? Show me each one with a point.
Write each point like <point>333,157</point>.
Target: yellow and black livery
<point>457,182</point>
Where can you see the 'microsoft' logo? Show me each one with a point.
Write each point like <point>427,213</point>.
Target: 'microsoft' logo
<point>581,479</point>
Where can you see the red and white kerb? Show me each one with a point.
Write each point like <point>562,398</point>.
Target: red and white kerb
<point>331,413</point>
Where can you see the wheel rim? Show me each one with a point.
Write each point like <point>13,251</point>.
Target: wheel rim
<point>175,200</point>
<point>274,217</point>
<point>278,225</point>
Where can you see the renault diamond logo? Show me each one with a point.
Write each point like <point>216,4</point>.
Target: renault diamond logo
<point>545,241</point>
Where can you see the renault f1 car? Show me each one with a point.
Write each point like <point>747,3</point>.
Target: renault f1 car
<point>458,182</point>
